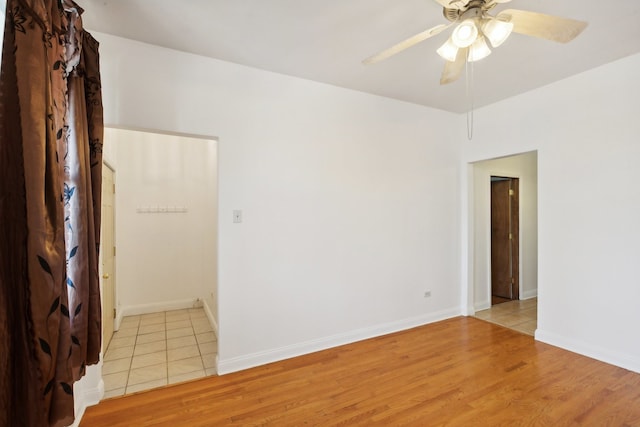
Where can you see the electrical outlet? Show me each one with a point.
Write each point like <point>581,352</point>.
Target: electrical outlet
<point>427,294</point>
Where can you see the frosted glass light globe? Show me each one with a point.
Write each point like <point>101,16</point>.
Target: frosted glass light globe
<point>497,31</point>
<point>465,34</point>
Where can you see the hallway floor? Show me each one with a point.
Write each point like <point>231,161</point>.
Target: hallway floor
<point>520,315</point>
<point>153,350</point>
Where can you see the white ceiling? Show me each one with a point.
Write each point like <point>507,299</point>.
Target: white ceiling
<point>326,40</point>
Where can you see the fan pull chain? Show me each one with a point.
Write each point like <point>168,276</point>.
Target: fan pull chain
<point>470,98</point>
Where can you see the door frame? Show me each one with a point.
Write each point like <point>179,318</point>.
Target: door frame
<point>487,226</point>
<point>107,164</point>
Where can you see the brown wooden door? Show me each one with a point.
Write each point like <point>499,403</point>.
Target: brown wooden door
<point>504,238</point>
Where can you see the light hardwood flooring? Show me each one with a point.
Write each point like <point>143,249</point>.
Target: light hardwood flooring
<point>520,315</point>
<point>156,349</point>
<point>458,372</point>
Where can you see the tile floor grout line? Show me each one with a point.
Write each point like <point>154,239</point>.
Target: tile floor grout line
<point>517,310</point>
<point>135,343</point>
<point>194,318</point>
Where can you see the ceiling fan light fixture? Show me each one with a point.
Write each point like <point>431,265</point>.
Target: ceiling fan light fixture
<point>448,51</point>
<point>465,34</point>
<point>497,31</point>
<point>479,50</point>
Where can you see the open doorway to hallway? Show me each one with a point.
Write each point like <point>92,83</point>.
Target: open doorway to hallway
<point>166,246</point>
<point>505,241</point>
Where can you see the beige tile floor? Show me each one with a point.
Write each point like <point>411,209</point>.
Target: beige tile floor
<point>152,350</point>
<point>521,315</point>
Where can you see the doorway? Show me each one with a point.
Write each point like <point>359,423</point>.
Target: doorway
<point>166,237</point>
<point>505,237</point>
<point>518,173</point>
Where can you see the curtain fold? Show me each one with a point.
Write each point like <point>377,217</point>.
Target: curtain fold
<point>50,160</point>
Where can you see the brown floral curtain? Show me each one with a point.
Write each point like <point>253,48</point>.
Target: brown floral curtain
<point>51,131</point>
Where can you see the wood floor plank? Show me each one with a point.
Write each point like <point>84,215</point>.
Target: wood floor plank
<point>461,371</point>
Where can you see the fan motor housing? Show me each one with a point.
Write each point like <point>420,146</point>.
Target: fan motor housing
<point>473,9</point>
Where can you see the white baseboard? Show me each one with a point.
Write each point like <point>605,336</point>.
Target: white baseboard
<point>116,323</point>
<point>226,366</point>
<point>134,310</point>
<point>484,305</point>
<point>470,311</point>
<point>93,396</point>
<point>599,353</point>
<point>212,320</point>
<point>530,293</point>
<point>85,397</point>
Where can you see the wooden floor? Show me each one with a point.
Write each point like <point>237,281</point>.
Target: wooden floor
<point>459,372</point>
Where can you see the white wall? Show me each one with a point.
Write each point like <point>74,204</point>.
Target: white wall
<point>109,150</point>
<point>585,129</point>
<point>523,167</point>
<point>349,200</point>
<point>164,259</point>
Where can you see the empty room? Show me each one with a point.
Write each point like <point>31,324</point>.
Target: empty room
<point>307,214</point>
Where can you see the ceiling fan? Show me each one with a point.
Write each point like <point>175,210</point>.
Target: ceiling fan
<point>475,26</point>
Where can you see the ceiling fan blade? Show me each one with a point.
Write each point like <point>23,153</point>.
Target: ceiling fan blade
<point>406,44</point>
<point>452,70</point>
<point>543,26</point>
